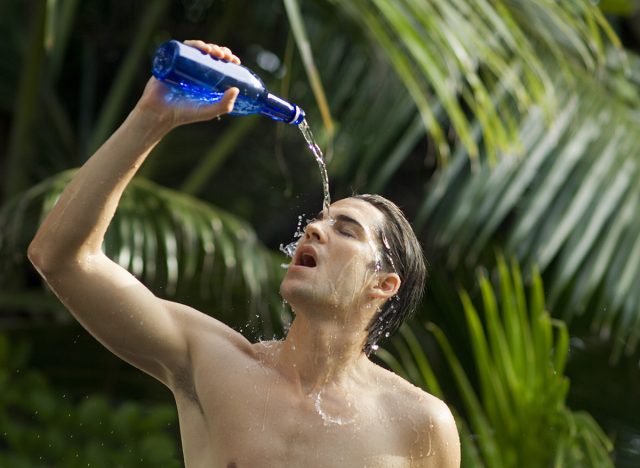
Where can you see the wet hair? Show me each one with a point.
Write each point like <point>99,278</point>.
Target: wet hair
<point>400,253</point>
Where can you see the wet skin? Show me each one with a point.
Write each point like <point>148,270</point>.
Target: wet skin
<point>313,399</point>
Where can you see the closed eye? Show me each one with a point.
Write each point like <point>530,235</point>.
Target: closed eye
<point>344,225</point>
<point>345,229</point>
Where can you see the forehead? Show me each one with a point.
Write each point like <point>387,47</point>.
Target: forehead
<point>363,212</point>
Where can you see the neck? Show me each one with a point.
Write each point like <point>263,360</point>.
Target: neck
<point>322,352</point>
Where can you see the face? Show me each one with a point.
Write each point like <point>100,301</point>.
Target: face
<point>334,266</point>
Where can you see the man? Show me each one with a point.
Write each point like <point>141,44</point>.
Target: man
<point>311,400</point>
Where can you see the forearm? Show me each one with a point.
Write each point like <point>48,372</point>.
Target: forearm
<point>109,301</point>
<point>77,224</point>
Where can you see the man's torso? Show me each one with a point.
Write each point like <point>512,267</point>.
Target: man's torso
<point>256,418</point>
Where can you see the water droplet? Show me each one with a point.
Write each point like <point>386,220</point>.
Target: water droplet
<point>290,249</point>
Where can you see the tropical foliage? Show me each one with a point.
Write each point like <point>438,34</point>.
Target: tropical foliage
<point>43,428</point>
<point>518,414</point>
<point>568,207</point>
<point>493,123</point>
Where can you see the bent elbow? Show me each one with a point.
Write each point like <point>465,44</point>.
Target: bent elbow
<point>47,259</point>
<point>39,257</point>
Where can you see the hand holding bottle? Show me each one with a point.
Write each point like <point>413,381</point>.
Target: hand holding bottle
<point>204,72</point>
<point>171,109</point>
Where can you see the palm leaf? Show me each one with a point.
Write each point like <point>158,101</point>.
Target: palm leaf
<point>567,206</point>
<point>516,414</point>
<point>458,52</point>
<point>182,248</point>
<point>302,41</point>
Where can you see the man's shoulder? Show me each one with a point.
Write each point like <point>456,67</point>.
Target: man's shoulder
<point>424,415</point>
<point>406,397</point>
<point>209,339</point>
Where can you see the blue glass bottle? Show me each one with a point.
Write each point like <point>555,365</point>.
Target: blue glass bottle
<point>200,76</point>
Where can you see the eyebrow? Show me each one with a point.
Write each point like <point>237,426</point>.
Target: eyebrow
<point>342,218</point>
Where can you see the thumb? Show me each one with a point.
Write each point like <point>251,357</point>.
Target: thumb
<point>199,111</point>
<point>221,107</point>
<point>228,100</point>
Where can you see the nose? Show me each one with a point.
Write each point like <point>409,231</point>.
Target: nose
<point>315,231</point>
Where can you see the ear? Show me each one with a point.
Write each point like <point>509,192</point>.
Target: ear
<point>386,286</point>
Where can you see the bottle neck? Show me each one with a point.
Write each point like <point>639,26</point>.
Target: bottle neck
<point>279,109</point>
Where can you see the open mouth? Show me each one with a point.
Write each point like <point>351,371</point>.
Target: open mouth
<point>305,258</point>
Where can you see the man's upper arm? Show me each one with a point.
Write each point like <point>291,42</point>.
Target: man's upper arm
<point>120,312</point>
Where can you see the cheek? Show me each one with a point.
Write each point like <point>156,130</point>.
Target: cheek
<point>351,277</point>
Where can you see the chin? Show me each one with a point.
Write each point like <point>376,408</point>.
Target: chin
<point>288,290</point>
<point>300,294</point>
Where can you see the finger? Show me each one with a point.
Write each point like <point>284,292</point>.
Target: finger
<point>228,55</point>
<point>212,49</point>
<point>198,44</point>
<point>216,51</point>
<point>228,100</point>
<point>223,106</point>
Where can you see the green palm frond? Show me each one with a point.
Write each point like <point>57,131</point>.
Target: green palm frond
<point>378,129</point>
<point>513,394</point>
<point>461,51</point>
<point>179,246</point>
<point>569,207</point>
<point>377,121</point>
<point>304,47</point>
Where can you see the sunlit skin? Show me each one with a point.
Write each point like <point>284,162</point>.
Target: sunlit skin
<point>311,400</point>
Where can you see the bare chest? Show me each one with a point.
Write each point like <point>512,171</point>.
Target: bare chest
<point>256,420</point>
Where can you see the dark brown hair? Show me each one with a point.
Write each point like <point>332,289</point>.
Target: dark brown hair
<point>401,253</point>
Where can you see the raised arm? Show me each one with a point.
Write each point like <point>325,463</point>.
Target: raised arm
<point>108,301</point>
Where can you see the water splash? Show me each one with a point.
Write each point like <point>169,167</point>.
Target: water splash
<point>387,249</point>
<point>290,249</point>
<point>327,417</point>
<point>378,263</point>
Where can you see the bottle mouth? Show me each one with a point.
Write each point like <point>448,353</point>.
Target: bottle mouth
<point>279,109</point>
<point>298,116</point>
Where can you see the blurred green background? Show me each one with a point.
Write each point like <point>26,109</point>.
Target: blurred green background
<point>506,130</point>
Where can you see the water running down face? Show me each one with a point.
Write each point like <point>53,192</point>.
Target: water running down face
<point>337,262</point>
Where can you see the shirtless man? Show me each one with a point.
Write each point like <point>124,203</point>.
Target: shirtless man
<point>311,400</point>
